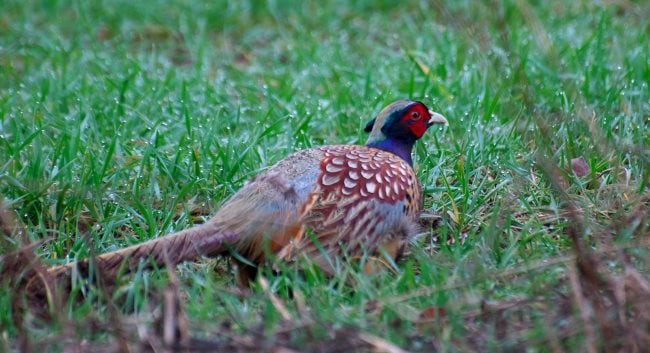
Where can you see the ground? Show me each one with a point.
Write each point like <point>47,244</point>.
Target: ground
<point>124,120</point>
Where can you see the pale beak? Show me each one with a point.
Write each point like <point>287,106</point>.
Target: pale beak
<point>436,118</point>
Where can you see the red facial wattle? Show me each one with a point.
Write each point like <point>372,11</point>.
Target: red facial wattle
<point>416,120</point>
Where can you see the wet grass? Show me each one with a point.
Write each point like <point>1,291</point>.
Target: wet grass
<point>121,121</point>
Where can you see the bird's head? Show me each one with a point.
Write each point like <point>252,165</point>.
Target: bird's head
<point>399,125</point>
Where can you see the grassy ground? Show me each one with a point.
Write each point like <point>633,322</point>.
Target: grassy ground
<point>124,120</point>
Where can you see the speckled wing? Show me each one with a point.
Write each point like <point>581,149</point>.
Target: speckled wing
<point>364,198</point>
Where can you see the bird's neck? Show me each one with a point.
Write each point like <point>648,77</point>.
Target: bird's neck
<point>401,148</point>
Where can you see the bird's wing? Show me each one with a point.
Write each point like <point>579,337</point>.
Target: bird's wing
<point>364,199</point>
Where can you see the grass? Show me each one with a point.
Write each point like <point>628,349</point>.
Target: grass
<point>121,121</point>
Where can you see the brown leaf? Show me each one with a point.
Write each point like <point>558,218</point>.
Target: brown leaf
<point>432,312</point>
<point>580,167</point>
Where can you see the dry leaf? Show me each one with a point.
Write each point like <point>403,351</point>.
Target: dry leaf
<point>580,167</point>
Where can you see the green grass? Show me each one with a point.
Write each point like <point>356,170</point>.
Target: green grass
<point>124,120</point>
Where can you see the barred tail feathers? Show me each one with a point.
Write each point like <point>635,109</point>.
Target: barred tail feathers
<point>186,245</point>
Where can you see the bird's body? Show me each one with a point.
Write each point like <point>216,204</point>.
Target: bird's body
<point>357,199</point>
<point>319,203</point>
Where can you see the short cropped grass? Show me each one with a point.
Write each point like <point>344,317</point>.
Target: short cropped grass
<point>121,121</point>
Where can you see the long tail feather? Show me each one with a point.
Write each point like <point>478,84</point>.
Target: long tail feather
<point>186,245</point>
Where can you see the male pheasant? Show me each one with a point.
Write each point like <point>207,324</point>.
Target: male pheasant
<point>321,203</point>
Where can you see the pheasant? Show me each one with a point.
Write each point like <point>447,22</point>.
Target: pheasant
<point>320,203</point>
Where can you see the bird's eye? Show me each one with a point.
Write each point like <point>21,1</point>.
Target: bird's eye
<point>415,116</point>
